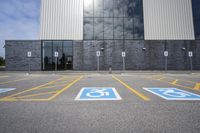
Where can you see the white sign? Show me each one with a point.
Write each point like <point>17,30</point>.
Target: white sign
<point>123,54</point>
<point>190,53</point>
<point>98,53</point>
<point>29,53</point>
<point>56,54</point>
<point>166,53</point>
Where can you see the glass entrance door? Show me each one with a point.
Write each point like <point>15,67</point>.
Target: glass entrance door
<point>65,55</point>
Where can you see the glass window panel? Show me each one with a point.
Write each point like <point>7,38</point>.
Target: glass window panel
<point>196,17</point>
<point>118,28</point>
<point>108,28</point>
<point>128,8</point>
<point>67,56</point>
<point>118,8</point>
<point>47,55</point>
<point>108,8</point>
<point>98,28</point>
<point>128,28</point>
<point>138,32</point>
<point>88,28</point>
<point>88,8</point>
<point>57,47</point>
<point>98,8</point>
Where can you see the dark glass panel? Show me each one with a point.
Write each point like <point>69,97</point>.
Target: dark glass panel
<point>98,28</point>
<point>47,55</point>
<point>57,47</point>
<point>128,28</point>
<point>108,8</point>
<point>108,28</point>
<point>129,8</point>
<point>118,28</point>
<point>98,8</point>
<point>88,8</point>
<point>118,8</point>
<point>67,56</point>
<point>138,20</point>
<point>88,28</point>
<point>196,17</point>
<point>138,32</point>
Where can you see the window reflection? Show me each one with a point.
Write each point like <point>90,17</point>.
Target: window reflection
<point>64,60</point>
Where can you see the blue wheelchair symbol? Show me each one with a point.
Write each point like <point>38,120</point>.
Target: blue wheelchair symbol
<point>98,93</point>
<point>173,94</point>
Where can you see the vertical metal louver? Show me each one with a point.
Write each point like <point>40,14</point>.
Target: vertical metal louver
<point>61,20</point>
<point>168,20</point>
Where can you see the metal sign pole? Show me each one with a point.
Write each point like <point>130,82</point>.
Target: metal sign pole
<point>55,63</point>
<point>191,67</point>
<point>97,63</point>
<point>165,63</point>
<point>29,66</point>
<point>123,64</point>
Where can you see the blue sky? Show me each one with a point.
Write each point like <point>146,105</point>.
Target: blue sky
<point>19,20</point>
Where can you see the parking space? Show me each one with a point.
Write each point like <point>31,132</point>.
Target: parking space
<point>95,102</point>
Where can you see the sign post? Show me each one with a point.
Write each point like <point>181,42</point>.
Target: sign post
<point>29,54</point>
<point>190,54</point>
<point>98,55</point>
<point>123,57</point>
<point>56,57</point>
<point>166,55</point>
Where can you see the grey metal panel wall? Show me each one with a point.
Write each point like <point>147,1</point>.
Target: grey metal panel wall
<point>61,20</point>
<point>168,20</point>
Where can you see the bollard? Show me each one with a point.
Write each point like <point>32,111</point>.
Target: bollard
<point>110,69</point>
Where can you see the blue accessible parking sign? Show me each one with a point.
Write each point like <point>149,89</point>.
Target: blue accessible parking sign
<point>98,93</point>
<point>173,94</point>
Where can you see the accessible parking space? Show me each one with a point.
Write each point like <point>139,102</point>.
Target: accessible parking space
<point>95,102</point>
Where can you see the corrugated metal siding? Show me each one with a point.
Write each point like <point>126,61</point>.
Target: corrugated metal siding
<point>168,20</point>
<point>61,20</point>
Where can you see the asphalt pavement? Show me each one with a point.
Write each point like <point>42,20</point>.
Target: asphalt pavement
<point>82,102</point>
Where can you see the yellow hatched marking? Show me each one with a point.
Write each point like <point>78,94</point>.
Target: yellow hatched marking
<point>65,88</point>
<point>145,98</point>
<point>175,81</point>
<point>15,80</point>
<point>197,86</point>
<point>33,95</point>
<point>35,88</point>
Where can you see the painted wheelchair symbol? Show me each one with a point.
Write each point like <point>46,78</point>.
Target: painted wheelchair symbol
<point>95,93</point>
<point>173,93</point>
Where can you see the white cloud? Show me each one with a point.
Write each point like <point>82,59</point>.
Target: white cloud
<point>19,19</point>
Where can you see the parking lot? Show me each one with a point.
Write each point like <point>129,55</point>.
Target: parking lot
<point>100,102</point>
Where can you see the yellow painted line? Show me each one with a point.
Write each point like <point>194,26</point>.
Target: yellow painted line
<point>33,95</point>
<point>161,78</point>
<point>15,80</point>
<point>172,84</point>
<point>52,86</point>
<point>65,88</point>
<point>175,81</point>
<point>197,86</point>
<point>132,90</point>
<point>35,88</point>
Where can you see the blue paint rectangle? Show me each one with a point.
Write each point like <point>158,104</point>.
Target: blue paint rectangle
<point>173,94</point>
<point>98,93</point>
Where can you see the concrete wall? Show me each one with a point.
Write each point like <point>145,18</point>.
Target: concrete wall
<point>136,59</point>
<point>16,55</point>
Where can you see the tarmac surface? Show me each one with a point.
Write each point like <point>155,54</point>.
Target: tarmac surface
<point>46,103</point>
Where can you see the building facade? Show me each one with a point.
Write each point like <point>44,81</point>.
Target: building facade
<point>143,29</point>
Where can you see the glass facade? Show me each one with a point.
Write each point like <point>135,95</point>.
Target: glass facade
<point>64,60</point>
<point>196,17</point>
<point>113,19</point>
